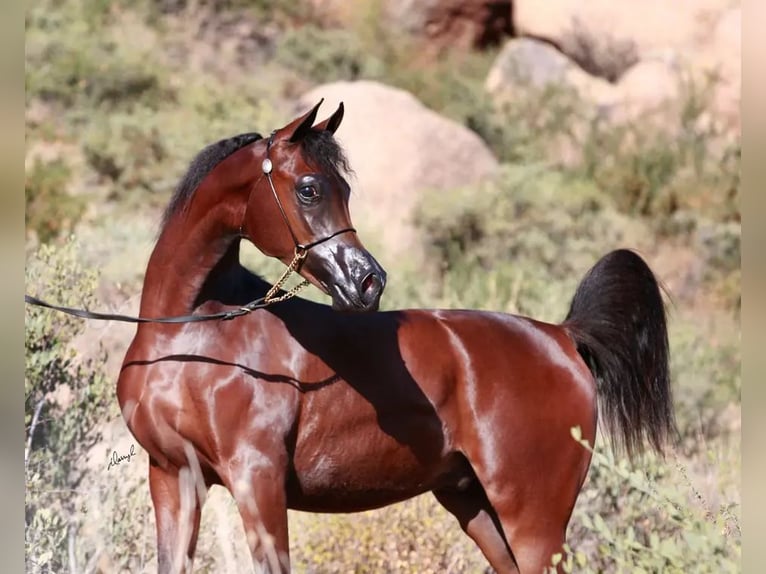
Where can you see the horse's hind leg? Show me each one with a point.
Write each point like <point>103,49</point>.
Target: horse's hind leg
<point>177,512</point>
<point>479,520</point>
<point>534,506</point>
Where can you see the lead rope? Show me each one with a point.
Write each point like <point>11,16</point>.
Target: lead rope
<point>260,303</point>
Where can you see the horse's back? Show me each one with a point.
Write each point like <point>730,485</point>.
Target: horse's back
<point>491,345</point>
<point>514,373</point>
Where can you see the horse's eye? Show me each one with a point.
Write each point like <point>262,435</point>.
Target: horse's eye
<point>308,193</point>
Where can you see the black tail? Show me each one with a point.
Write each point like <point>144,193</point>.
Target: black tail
<point>617,319</point>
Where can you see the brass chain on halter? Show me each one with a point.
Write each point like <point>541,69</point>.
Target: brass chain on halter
<point>300,255</point>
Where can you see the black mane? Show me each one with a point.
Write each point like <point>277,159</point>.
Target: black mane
<point>318,148</point>
<point>200,167</point>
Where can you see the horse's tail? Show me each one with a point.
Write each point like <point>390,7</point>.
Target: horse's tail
<point>617,320</point>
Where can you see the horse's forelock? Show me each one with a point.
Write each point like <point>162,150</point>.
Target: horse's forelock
<point>320,148</point>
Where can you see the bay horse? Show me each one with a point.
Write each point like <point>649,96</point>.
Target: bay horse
<point>317,408</point>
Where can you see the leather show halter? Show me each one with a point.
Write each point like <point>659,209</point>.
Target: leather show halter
<point>267,168</point>
<point>301,251</point>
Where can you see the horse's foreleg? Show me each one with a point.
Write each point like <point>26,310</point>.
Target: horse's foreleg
<point>257,483</point>
<point>177,512</point>
<point>479,520</point>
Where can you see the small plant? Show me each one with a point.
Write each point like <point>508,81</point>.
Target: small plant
<point>125,150</point>
<point>660,167</point>
<point>530,233</point>
<point>414,536</point>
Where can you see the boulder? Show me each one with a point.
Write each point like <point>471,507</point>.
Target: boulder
<point>397,148</point>
<point>649,91</point>
<point>648,42</point>
<point>650,25</point>
<point>649,84</point>
<point>526,63</point>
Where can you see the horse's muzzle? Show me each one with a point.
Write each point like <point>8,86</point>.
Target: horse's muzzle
<point>346,272</point>
<point>361,288</point>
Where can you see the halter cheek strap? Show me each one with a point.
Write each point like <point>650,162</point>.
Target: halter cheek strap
<point>267,167</point>
<point>301,249</point>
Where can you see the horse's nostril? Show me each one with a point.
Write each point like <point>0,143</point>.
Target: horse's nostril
<point>369,282</point>
<point>370,290</point>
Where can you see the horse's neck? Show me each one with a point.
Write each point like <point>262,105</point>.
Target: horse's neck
<point>182,261</point>
<point>229,282</point>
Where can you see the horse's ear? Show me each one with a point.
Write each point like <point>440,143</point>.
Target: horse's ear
<point>299,127</point>
<point>331,124</point>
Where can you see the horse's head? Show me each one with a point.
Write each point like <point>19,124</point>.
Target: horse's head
<point>303,171</point>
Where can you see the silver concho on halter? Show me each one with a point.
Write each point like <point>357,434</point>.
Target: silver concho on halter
<point>266,166</point>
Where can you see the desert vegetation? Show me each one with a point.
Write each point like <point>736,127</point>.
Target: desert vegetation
<point>121,95</point>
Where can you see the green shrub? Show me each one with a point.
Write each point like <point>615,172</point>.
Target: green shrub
<point>138,157</point>
<point>82,54</point>
<point>65,400</point>
<point>539,124</point>
<point>661,167</point>
<point>324,55</point>
<point>75,518</point>
<point>265,11</point>
<point>653,519</point>
<point>529,236</point>
<point>705,362</point>
<point>50,210</point>
<point>125,151</point>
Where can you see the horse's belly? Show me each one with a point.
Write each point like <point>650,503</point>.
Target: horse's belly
<point>354,485</point>
<point>364,446</point>
<point>368,469</point>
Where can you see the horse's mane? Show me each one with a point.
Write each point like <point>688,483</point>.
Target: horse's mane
<point>200,167</point>
<point>318,147</point>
